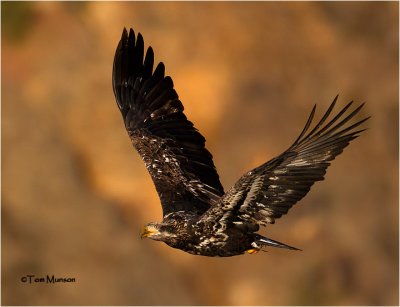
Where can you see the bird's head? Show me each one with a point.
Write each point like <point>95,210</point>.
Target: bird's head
<point>158,231</point>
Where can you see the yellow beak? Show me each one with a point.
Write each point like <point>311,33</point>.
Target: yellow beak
<point>148,231</point>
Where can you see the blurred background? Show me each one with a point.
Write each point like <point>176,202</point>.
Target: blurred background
<point>75,194</point>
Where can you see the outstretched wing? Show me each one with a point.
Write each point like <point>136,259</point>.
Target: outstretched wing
<point>172,149</point>
<point>270,190</point>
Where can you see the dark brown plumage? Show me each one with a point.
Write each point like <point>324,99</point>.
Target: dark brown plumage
<point>198,217</point>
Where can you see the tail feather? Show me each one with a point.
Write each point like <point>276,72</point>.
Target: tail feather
<point>273,243</point>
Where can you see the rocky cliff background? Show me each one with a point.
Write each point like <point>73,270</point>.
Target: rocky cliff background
<point>75,194</point>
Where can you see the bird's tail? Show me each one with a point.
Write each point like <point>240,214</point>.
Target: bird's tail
<point>269,242</point>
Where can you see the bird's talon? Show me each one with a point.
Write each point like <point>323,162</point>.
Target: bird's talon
<point>252,251</point>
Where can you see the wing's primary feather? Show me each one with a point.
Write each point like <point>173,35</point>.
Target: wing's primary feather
<point>171,147</point>
<point>270,190</point>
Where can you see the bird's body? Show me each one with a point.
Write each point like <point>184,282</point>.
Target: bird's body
<point>190,233</point>
<point>187,232</point>
<point>198,216</point>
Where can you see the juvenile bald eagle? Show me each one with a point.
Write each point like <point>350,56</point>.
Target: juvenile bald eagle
<point>198,216</point>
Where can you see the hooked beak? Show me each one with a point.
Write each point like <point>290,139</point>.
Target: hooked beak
<point>148,231</point>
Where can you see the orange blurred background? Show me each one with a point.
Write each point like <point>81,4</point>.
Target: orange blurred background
<point>75,194</point>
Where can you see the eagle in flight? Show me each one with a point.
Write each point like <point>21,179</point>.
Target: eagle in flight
<point>198,216</point>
